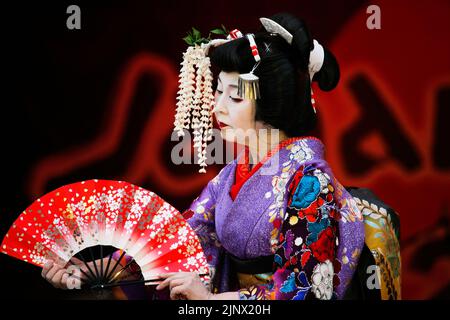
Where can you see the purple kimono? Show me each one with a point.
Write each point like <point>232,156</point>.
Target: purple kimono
<point>292,208</point>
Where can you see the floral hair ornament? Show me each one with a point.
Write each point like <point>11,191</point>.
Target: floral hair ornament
<point>195,95</point>
<point>316,56</point>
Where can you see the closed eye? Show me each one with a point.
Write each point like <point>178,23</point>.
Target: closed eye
<point>236,99</point>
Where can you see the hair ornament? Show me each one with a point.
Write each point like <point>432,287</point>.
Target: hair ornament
<point>248,83</point>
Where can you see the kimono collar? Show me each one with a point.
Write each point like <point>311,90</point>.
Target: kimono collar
<point>243,172</point>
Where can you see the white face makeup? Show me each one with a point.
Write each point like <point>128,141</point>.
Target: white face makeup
<point>236,116</point>
<point>236,119</point>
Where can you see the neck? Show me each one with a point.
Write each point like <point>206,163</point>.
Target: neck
<point>259,150</point>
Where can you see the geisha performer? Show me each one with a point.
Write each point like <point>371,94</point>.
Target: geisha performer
<point>274,223</point>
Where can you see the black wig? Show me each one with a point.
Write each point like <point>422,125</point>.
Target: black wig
<point>284,80</point>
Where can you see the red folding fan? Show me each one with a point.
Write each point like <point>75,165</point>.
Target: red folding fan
<point>105,213</point>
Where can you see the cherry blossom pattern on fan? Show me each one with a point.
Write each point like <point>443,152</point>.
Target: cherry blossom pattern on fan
<point>111,213</point>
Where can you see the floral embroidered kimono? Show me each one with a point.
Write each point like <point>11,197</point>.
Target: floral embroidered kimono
<point>289,230</point>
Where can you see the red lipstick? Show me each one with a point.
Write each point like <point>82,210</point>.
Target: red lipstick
<point>220,124</point>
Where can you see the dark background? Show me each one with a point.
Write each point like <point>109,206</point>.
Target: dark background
<point>63,90</point>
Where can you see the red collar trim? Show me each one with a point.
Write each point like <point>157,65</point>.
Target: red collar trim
<point>243,172</point>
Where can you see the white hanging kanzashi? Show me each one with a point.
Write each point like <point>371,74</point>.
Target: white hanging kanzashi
<point>195,95</point>
<point>195,99</point>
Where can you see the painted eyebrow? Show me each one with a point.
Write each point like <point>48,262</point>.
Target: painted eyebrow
<point>231,85</point>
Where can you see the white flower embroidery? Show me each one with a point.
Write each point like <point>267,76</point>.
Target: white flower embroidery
<point>322,280</point>
<point>300,152</point>
<point>298,241</point>
<point>324,180</point>
<point>295,149</point>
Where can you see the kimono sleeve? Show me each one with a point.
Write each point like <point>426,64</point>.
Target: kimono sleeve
<point>201,217</point>
<point>304,261</point>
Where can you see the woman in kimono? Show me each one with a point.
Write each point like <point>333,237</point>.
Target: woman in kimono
<point>277,224</point>
<point>283,228</point>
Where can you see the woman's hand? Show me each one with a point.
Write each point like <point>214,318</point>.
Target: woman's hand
<point>72,276</point>
<point>63,277</point>
<point>184,286</point>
